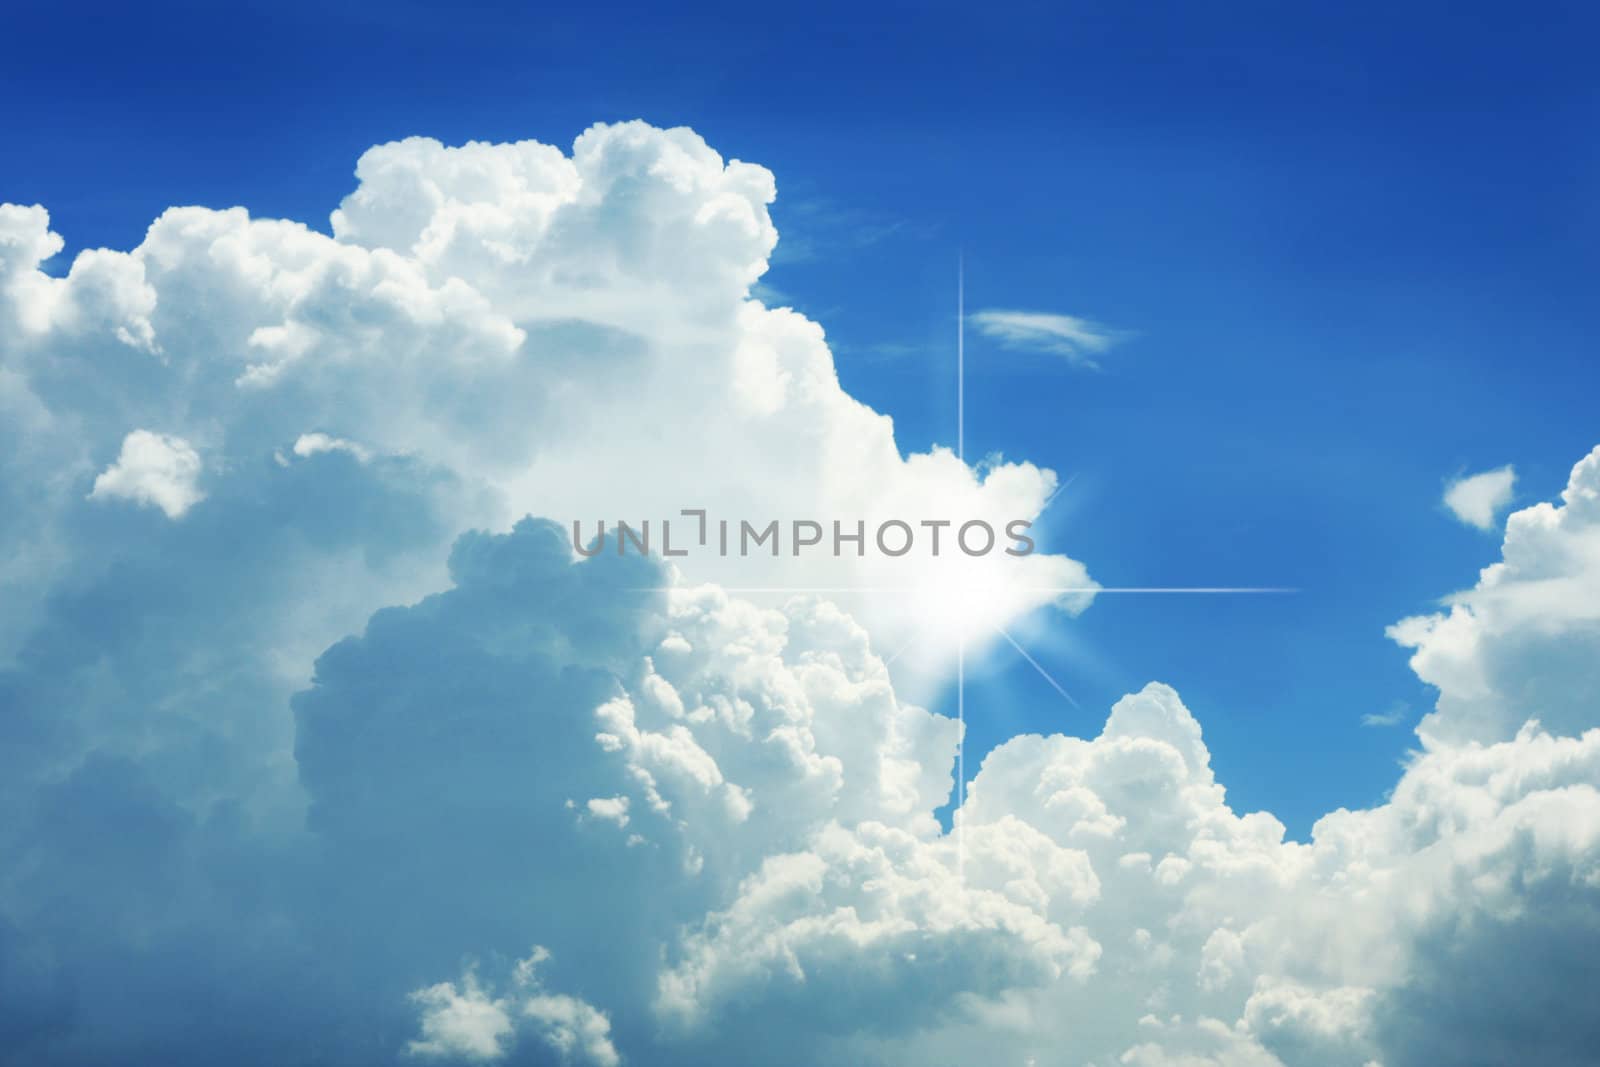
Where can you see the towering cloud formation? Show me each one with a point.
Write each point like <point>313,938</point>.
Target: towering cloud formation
<point>315,750</point>
<point>1521,643</point>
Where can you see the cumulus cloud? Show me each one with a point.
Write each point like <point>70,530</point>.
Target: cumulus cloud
<point>465,1022</point>
<point>1520,643</point>
<point>789,894</point>
<point>1096,899</point>
<point>461,1022</point>
<point>1478,499</point>
<point>1077,340</point>
<point>154,469</point>
<point>271,773</point>
<point>482,310</point>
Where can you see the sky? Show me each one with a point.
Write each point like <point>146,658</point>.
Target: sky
<point>1334,266</point>
<point>1350,250</point>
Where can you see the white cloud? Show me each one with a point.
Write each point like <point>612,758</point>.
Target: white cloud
<point>461,1022</point>
<point>313,444</point>
<point>153,469</point>
<point>1089,884</point>
<point>1394,716</point>
<point>1520,643</point>
<point>609,809</point>
<point>467,1022</point>
<point>1078,340</point>
<point>346,754</point>
<point>1478,499</point>
<point>485,310</point>
<point>576,1031</point>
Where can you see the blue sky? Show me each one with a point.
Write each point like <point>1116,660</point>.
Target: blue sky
<point>1354,250</point>
<point>314,750</point>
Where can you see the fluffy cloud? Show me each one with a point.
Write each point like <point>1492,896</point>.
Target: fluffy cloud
<point>781,890</point>
<point>462,1023</point>
<point>1478,499</point>
<point>153,469</point>
<point>301,777</point>
<point>547,330</point>
<point>1520,644</point>
<point>466,1023</point>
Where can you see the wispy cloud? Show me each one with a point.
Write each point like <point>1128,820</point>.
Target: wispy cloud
<point>815,228</point>
<point>1079,340</point>
<point>1398,712</point>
